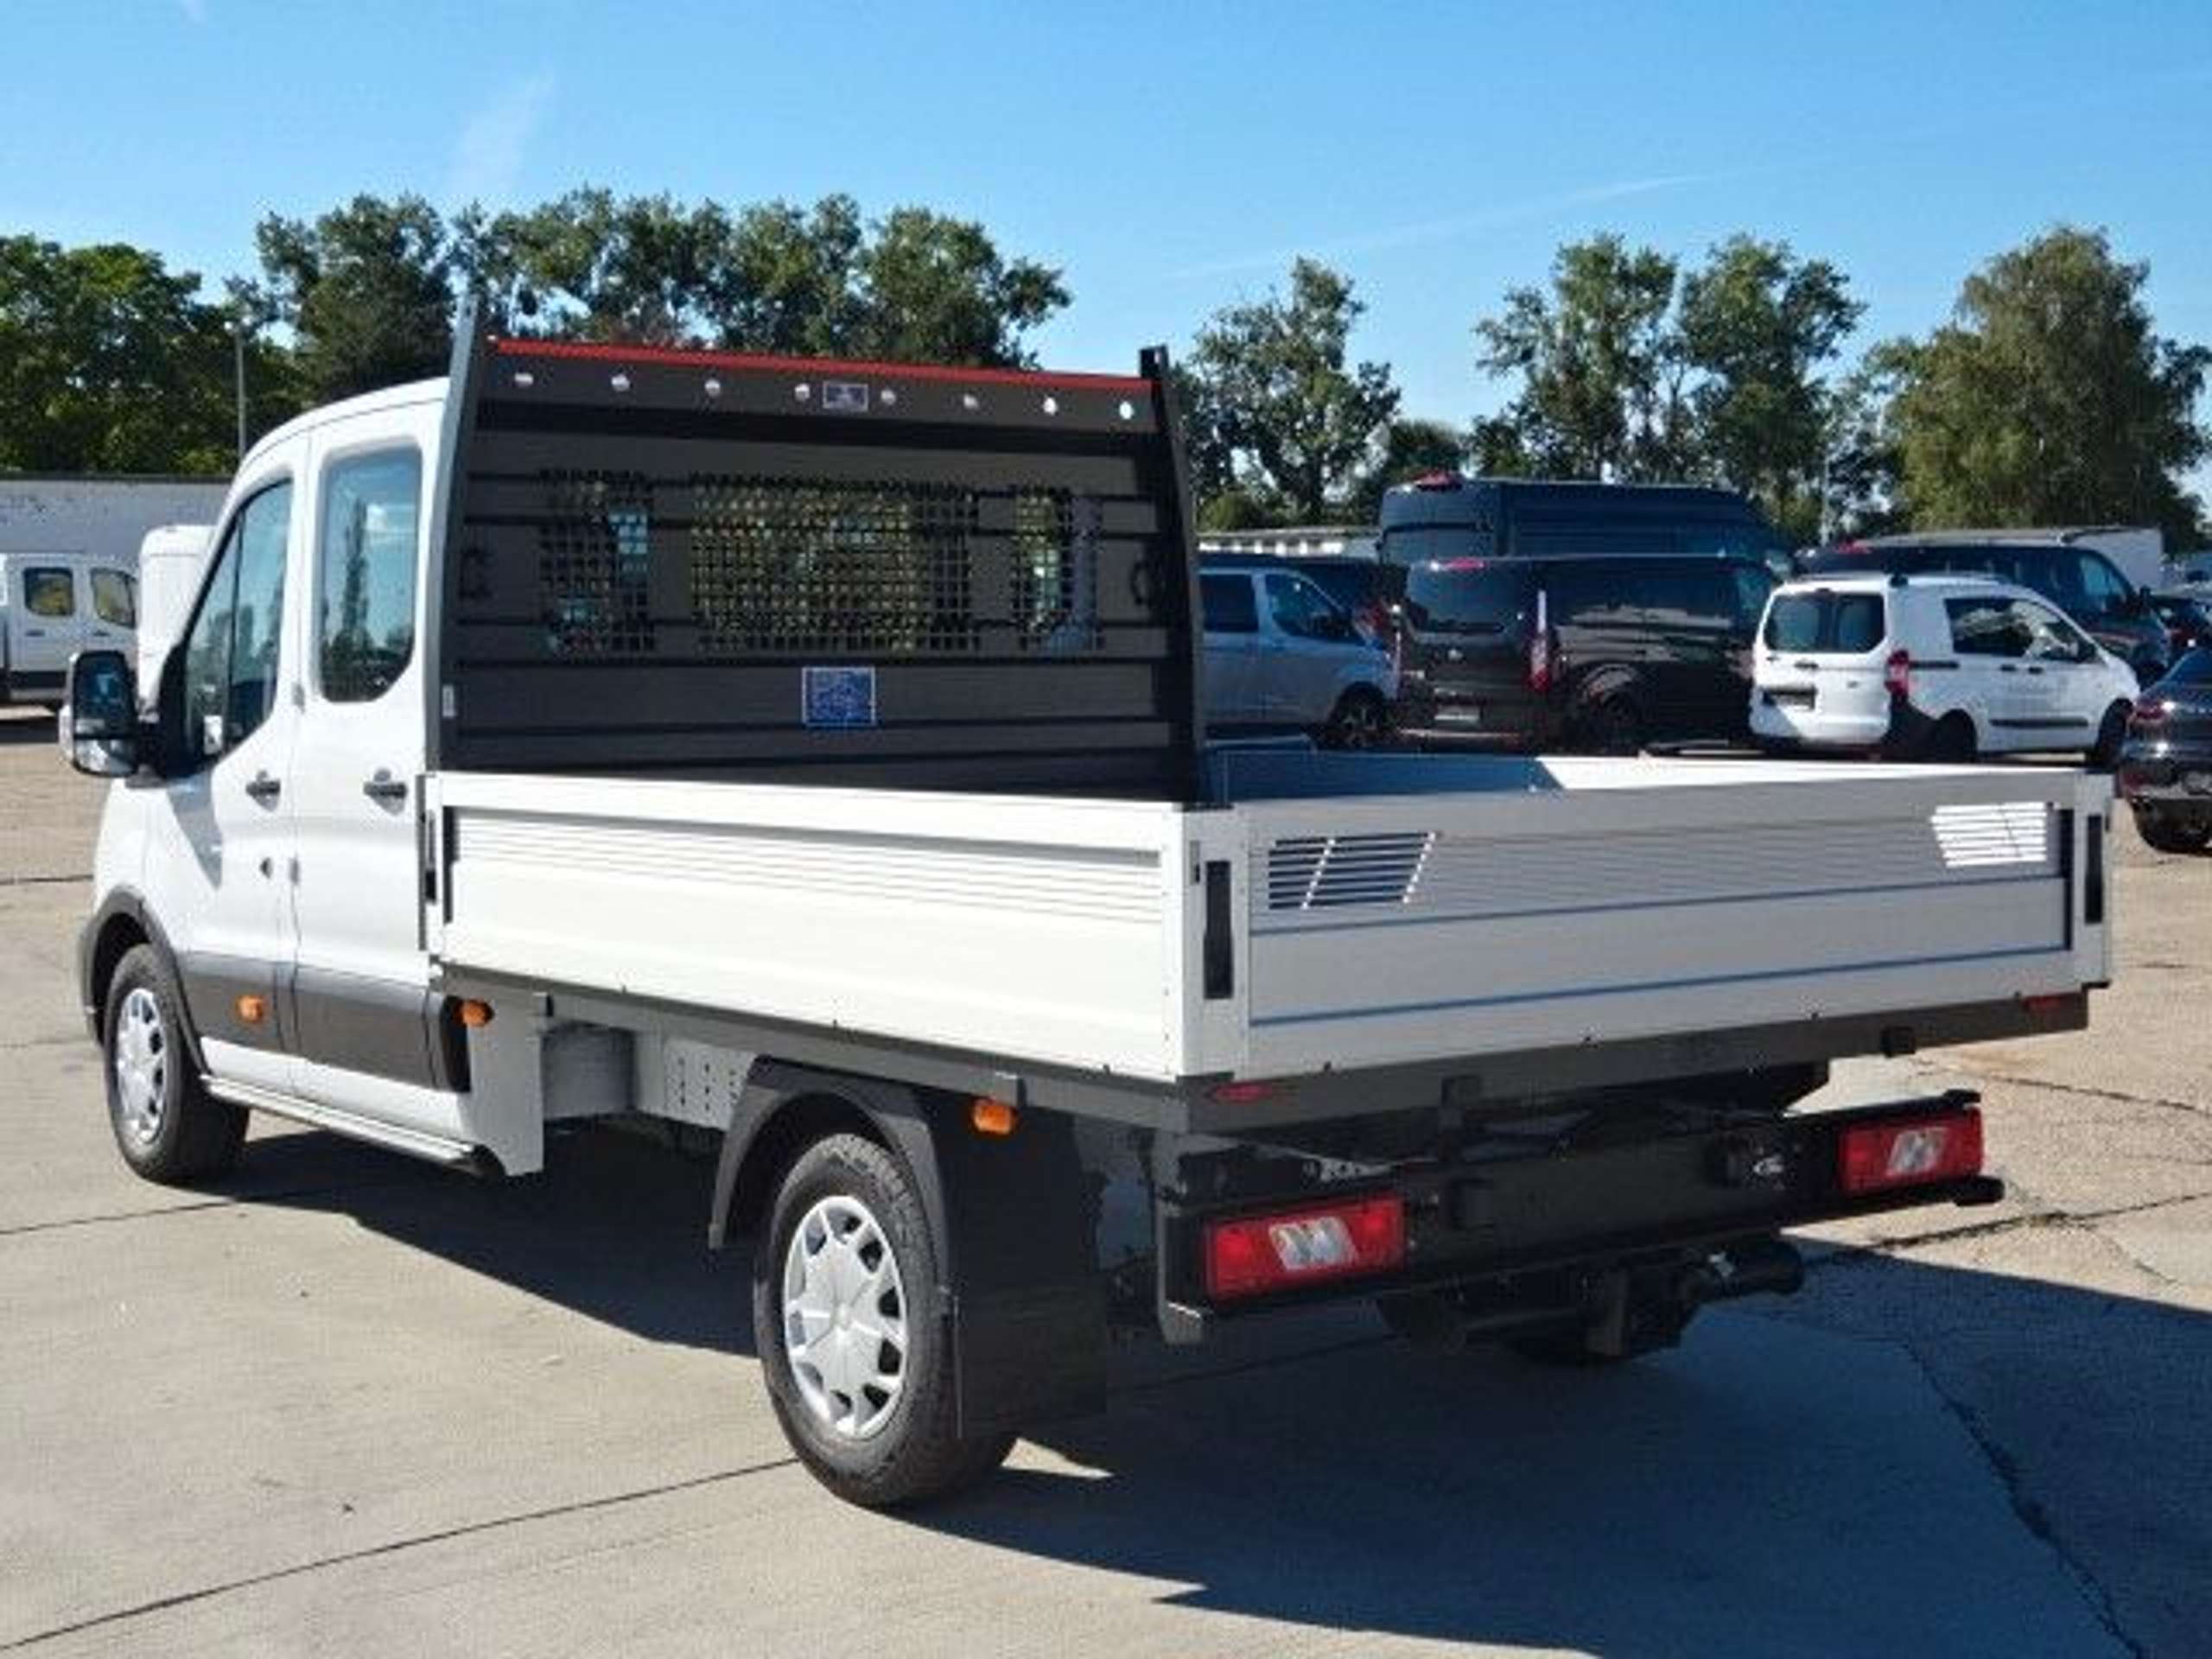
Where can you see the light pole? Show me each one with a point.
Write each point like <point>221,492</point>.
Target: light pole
<point>238,367</point>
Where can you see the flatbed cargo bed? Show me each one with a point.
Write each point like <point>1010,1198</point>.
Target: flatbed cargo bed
<point>1344,919</point>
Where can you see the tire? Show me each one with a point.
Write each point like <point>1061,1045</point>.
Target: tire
<point>1359,722</point>
<point>847,1250</point>
<point>1610,725</point>
<point>1953,742</point>
<point>2163,834</point>
<point>167,1126</point>
<point>2112,733</point>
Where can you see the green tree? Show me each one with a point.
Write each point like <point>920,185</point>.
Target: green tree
<point>1407,449</point>
<point>109,362</point>
<point>1597,361</point>
<point>1755,325</point>
<point>936,289</point>
<point>1297,421</point>
<point>2051,398</point>
<point>365,290</point>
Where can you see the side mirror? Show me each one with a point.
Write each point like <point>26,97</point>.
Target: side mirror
<point>99,726</point>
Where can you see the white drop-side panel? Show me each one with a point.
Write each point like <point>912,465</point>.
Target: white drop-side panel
<point>1034,929</point>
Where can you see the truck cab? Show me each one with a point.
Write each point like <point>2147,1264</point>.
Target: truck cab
<point>277,841</point>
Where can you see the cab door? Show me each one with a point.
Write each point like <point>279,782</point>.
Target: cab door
<point>218,869</point>
<point>368,1030</point>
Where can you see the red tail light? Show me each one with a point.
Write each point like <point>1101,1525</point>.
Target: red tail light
<point>2149,711</point>
<point>1437,481</point>
<point>1897,674</point>
<point>1540,646</point>
<point>1257,1253</point>
<point>1909,1152</point>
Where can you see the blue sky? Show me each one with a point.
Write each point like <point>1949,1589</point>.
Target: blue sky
<point>1170,159</point>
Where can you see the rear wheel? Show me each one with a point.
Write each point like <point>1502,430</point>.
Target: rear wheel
<point>167,1125</point>
<point>1612,725</point>
<point>1952,741</point>
<point>2112,732</point>
<point>854,1343</point>
<point>1360,721</point>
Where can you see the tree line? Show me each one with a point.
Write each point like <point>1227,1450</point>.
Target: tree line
<point>2048,395</point>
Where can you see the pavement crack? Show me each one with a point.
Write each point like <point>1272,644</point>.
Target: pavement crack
<point>1853,1254</point>
<point>2029,1511</point>
<point>2120,1096</point>
<point>45,880</point>
<point>391,1547</point>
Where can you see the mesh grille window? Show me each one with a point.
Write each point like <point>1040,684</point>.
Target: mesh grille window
<point>594,564</point>
<point>783,566</point>
<point>1055,571</point>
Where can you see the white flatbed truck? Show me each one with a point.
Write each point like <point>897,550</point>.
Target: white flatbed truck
<point>809,752</point>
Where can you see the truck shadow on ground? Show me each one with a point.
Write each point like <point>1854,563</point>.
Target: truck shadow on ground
<point>1905,1458</point>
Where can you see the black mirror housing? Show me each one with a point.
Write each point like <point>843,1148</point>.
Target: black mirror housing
<point>99,726</point>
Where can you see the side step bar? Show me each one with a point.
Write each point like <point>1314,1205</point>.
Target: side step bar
<point>416,1143</point>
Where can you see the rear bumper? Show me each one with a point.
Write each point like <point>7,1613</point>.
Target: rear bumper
<point>1899,730</point>
<point>2163,780</point>
<point>1532,1223</point>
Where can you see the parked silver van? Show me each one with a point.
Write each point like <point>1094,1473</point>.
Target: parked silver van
<point>1281,654</point>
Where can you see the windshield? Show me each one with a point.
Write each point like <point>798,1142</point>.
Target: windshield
<point>1851,624</point>
<point>1465,596</point>
<point>1422,544</point>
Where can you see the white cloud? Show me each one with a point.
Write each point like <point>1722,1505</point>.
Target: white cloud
<point>1438,230</point>
<point>487,157</point>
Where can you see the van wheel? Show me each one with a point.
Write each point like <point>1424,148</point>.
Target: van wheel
<point>1611,726</point>
<point>167,1125</point>
<point>854,1345</point>
<point>2165,835</point>
<point>2112,733</point>
<point>1953,741</point>
<point>1360,721</point>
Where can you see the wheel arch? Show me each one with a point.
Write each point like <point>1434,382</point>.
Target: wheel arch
<point>121,922</point>
<point>1012,1217</point>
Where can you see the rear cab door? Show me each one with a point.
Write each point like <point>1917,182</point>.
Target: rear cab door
<point>368,1025</point>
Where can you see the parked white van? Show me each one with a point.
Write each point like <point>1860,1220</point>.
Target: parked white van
<point>1943,667</point>
<point>53,605</point>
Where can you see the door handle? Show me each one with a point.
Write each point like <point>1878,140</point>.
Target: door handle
<point>2006,668</point>
<point>264,788</point>
<point>2035,671</point>
<point>384,790</point>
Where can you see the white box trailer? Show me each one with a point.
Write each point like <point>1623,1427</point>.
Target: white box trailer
<point>810,754</point>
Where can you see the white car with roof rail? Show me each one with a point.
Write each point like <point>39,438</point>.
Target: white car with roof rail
<point>1941,668</point>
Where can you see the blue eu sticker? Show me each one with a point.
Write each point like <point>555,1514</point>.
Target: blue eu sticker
<point>837,698</point>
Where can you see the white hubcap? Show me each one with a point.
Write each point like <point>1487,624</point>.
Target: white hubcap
<point>141,1057</point>
<point>845,1317</point>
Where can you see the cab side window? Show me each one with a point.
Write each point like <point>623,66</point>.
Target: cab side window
<point>2050,637</point>
<point>50,591</point>
<point>114,598</point>
<point>231,651</point>
<point>1985,628</point>
<point>365,574</point>
<point>2105,592</point>
<point>1303,611</point>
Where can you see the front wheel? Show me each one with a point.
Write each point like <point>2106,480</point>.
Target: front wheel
<point>853,1343</point>
<point>1359,722</point>
<point>167,1125</point>
<point>1610,726</point>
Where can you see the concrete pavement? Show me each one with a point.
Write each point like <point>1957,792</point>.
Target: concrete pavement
<point>348,1404</point>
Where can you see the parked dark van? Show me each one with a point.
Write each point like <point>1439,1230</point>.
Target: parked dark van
<point>2080,580</point>
<point>1446,516</point>
<point>1600,652</point>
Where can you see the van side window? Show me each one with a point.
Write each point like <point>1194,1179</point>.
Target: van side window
<point>114,598</point>
<point>49,591</point>
<point>365,574</point>
<point>2105,591</point>
<point>1985,626</point>
<point>230,653</point>
<point>1229,606</point>
<point>2048,637</point>
<point>1302,610</point>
